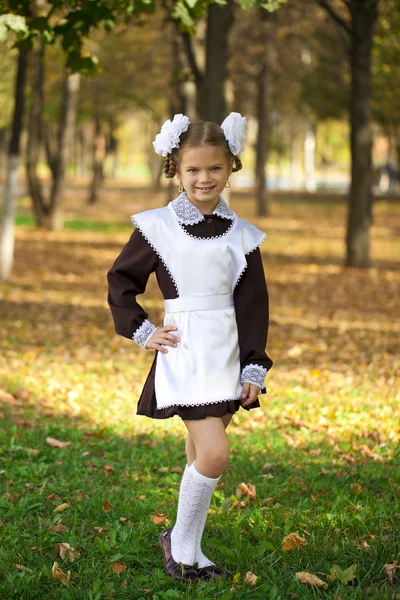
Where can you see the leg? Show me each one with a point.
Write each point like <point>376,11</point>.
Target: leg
<point>211,444</point>
<point>198,483</point>
<point>190,447</point>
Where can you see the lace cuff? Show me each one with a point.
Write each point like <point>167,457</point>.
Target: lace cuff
<point>143,333</point>
<point>254,374</point>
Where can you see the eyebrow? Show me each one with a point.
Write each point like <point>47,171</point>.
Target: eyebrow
<point>216,165</point>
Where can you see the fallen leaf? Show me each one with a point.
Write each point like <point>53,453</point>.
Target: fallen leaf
<point>22,568</point>
<point>158,518</point>
<point>177,469</point>
<point>66,551</point>
<point>118,568</point>
<point>59,528</point>
<point>293,541</point>
<point>343,576</point>
<point>309,579</point>
<point>81,496</point>
<point>390,570</point>
<point>107,506</point>
<point>108,470</point>
<point>250,578</point>
<point>61,507</point>
<point>59,575</point>
<point>53,497</point>
<point>249,491</point>
<point>57,443</point>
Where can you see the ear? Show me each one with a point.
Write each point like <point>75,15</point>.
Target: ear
<point>230,168</point>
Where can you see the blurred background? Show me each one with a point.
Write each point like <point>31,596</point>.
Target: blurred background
<point>84,89</point>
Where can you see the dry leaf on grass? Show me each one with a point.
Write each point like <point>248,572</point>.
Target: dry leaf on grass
<point>107,506</point>
<point>390,570</point>
<point>67,552</point>
<point>59,575</point>
<point>61,507</point>
<point>249,491</point>
<point>108,470</point>
<point>118,567</point>
<point>177,469</point>
<point>59,528</point>
<point>250,578</point>
<point>293,541</point>
<point>158,518</point>
<point>22,568</point>
<point>53,497</point>
<point>57,443</point>
<point>309,579</point>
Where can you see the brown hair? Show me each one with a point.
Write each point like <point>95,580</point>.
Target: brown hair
<point>198,134</point>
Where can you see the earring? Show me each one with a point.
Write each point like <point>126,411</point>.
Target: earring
<point>180,187</point>
<point>228,183</point>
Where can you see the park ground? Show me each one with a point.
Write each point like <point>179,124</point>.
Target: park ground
<point>320,459</point>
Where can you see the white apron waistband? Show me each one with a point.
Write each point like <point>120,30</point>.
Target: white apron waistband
<point>191,303</point>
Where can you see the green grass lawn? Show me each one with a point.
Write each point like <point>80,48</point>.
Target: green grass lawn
<point>322,453</point>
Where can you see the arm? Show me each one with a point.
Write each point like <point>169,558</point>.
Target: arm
<point>128,277</point>
<point>252,316</point>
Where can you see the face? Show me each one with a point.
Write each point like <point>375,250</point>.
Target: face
<point>203,172</point>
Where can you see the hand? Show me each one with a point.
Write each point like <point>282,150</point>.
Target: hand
<point>161,336</point>
<point>250,393</point>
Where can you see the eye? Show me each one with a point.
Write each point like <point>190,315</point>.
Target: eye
<point>216,168</point>
<point>192,169</point>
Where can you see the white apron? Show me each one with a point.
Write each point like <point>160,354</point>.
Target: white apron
<point>204,368</point>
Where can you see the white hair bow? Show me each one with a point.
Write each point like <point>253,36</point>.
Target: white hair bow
<point>234,127</point>
<point>170,133</point>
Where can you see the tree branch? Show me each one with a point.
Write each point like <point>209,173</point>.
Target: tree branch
<point>334,15</point>
<point>187,41</point>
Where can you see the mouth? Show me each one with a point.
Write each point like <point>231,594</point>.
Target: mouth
<point>206,189</point>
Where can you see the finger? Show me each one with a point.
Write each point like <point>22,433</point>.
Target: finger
<point>245,390</point>
<point>160,348</point>
<point>167,341</point>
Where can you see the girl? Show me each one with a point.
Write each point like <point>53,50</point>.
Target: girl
<point>210,354</point>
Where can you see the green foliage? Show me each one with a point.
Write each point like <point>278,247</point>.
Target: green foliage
<point>76,21</point>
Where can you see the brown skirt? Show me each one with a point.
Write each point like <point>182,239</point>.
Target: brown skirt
<point>147,405</point>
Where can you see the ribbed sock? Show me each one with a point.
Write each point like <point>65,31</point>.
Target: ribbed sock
<point>194,501</point>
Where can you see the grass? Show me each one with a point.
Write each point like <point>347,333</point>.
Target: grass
<point>322,452</point>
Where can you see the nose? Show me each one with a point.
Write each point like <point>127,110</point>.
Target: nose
<point>205,177</point>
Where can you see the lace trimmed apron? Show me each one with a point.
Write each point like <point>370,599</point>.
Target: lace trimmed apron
<point>204,368</point>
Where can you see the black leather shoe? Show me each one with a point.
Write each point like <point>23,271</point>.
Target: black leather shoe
<point>177,570</point>
<point>211,572</point>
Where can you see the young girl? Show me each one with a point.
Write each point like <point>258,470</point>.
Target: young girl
<point>210,357</point>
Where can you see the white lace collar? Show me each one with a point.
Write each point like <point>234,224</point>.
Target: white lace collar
<point>188,214</point>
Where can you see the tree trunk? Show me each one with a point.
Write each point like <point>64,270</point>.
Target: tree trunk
<point>41,209</point>
<point>364,15</point>
<point>263,111</point>
<point>99,153</point>
<point>210,85</point>
<point>64,148</point>
<point>10,187</point>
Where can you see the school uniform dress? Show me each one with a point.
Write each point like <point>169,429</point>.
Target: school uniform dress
<point>210,272</point>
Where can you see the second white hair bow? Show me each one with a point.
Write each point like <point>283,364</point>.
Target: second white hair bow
<point>234,127</point>
<point>170,133</point>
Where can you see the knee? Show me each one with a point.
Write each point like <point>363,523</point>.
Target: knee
<point>217,457</point>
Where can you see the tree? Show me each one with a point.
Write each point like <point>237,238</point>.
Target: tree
<point>356,20</point>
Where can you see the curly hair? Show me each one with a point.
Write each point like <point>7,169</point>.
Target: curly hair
<point>198,134</point>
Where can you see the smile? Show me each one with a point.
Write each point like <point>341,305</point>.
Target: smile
<point>206,189</point>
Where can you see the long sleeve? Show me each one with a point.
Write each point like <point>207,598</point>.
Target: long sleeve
<point>252,315</point>
<point>126,279</point>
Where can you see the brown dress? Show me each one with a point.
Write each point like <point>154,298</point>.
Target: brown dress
<point>128,277</point>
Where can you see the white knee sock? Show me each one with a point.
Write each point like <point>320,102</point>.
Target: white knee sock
<point>194,501</point>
